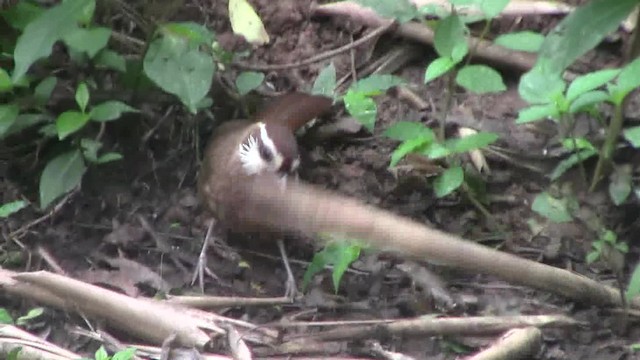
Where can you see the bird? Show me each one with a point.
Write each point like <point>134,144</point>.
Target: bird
<point>240,149</point>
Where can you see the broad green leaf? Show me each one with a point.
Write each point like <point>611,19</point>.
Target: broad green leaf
<point>405,130</point>
<point>376,84</point>
<point>111,60</point>
<point>21,14</point>
<point>361,107</point>
<point>538,86</point>
<point>407,147</point>
<point>5,81</point>
<point>581,31</point>
<point>450,32</point>
<point>109,110</point>
<point>43,90</point>
<point>628,80</point>
<point>69,122</point>
<point>400,10</point>
<point>492,8</point>
<point>39,36</point>
<point>180,69</point>
<point>246,22</point>
<point>631,134</point>
<point>588,100</point>
<point>82,96</point>
<point>620,184</point>
<point>325,83</point>
<point>536,112</point>
<point>480,79</point>
<point>590,81</point>
<point>5,317</point>
<point>8,116</point>
<point>247,81</point>
<point>471,142</point>
<point>61,174</point>
<point>90,41</point>
<point>553,209</point>
<point>32,314</point>
<point>126,354</point>
<point>633,289</point>
<point>528,41</point>
<point>448,181</point>
<point>437,68</point>
<point>11,208</point>
<point>570,162</point>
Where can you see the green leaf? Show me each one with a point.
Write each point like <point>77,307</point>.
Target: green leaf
<point>90,149</point>
<point>361,107</point>
<point>570,162</point>
<point>69,122</point>
<point>82,96</point>
<point>492,8</point>
<point>590,81</point>
<point>450,33</point>
<point>246,22</point>
<point>193,32</point>
<point>21,14</point>
<point>633,289</point>
<point>632,134</point>
<point>581,31</point>
<point>43,90</point>
<point>480,79</point>
<point>61,174</point>
<point>11,208</point>
<point>8,116</point>
<point>553,209</point>
<point>111,60</point>
<point>538,86</point>
<point>588,100</point>
<point>537,112</point>
<point>528,41</point>
<point>5,317</point>
<point>5,81</point>
<point>23,121</point>
<point>101,354</point>
<point>180,69</point>
<point>109,157</point>
<point>109,110</point>
<point>408,146</point>
<point>39,36</point>
<point>126,354</point>
<point>400,10</point>
<point>376,84</point>
<point>343,256</point>
<point>435,150</point>
<point>32,314</point>
<point>471,142</point>
<point>437,68</point>
<point>89,41</point>
<point>318,263</point>
<point>405,130</point>
<point>448,181</point>
<point>592,257</point>
<point>578,143</point>
<point>627,81</point>
<point>247,81</point>
<point>325,83</point>
<point>620,184</point>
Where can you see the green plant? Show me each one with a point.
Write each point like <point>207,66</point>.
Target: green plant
<point>126,354</point>
<point>339,253</point>
<point>6,318</point>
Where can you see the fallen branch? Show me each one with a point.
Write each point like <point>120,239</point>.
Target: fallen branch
<point>515,344</point>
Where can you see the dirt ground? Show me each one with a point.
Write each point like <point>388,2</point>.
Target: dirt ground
<point>136,225</point>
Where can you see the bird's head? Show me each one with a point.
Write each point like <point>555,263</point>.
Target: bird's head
<point>269,148</point>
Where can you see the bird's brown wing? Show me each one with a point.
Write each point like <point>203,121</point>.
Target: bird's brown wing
<point>295,109</point>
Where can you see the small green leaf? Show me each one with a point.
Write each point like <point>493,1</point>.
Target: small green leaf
<point>471,142</point>
<point>90,41</point>
<point>448,181</point>
<point>11,208</point>
<point>450,32</point>
<point>5,81</point>
<point>400,10</point>
<point>528,41</point>
<point>69,122</point>
<point>325,83</point>
<point>537,112</point>
<point>109,157</point>
<point>408,146</point>
<point>633,289</point>
<point>8,116</point>
<point>5,317</point>
<point>361,107</point>
<point>480,79</point>
<point>319,261</point>
<point>110,110</point>
<point>43,90</point>
<point>344,255</point>
<point>111,60</point>
<point>405,130</point>
<point>126,354</point>
<point>376,84</point>
<point>538,86</point>
<point>437,68</point>
<point>570,162</point>
<point>61,174</point>
<point>590,81</point>
<point>588,100</point>
<point>90,149</point>
<point>553,209</point>
<point>101,354</point>
<point>629,78</point>
<point>32,314</point>
<point>632,134</point>
<point>592,257</point>
<point>247,81</point>
<point>435,150</point>
<point>82,96</point>
<point>578,143</point>
<point>246,22</point>
<point>620,184</point>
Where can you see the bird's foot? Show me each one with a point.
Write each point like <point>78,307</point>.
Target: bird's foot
<point>201,267</point>
<point>291,288</point>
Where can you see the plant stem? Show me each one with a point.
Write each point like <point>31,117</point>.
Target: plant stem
<point>606,152</point>
<point>448,100</point>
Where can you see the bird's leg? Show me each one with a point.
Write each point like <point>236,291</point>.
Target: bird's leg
<point>201,266</point>
<point>291,288</point>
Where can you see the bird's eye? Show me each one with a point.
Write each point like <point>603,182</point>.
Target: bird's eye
<point>265,153</point>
